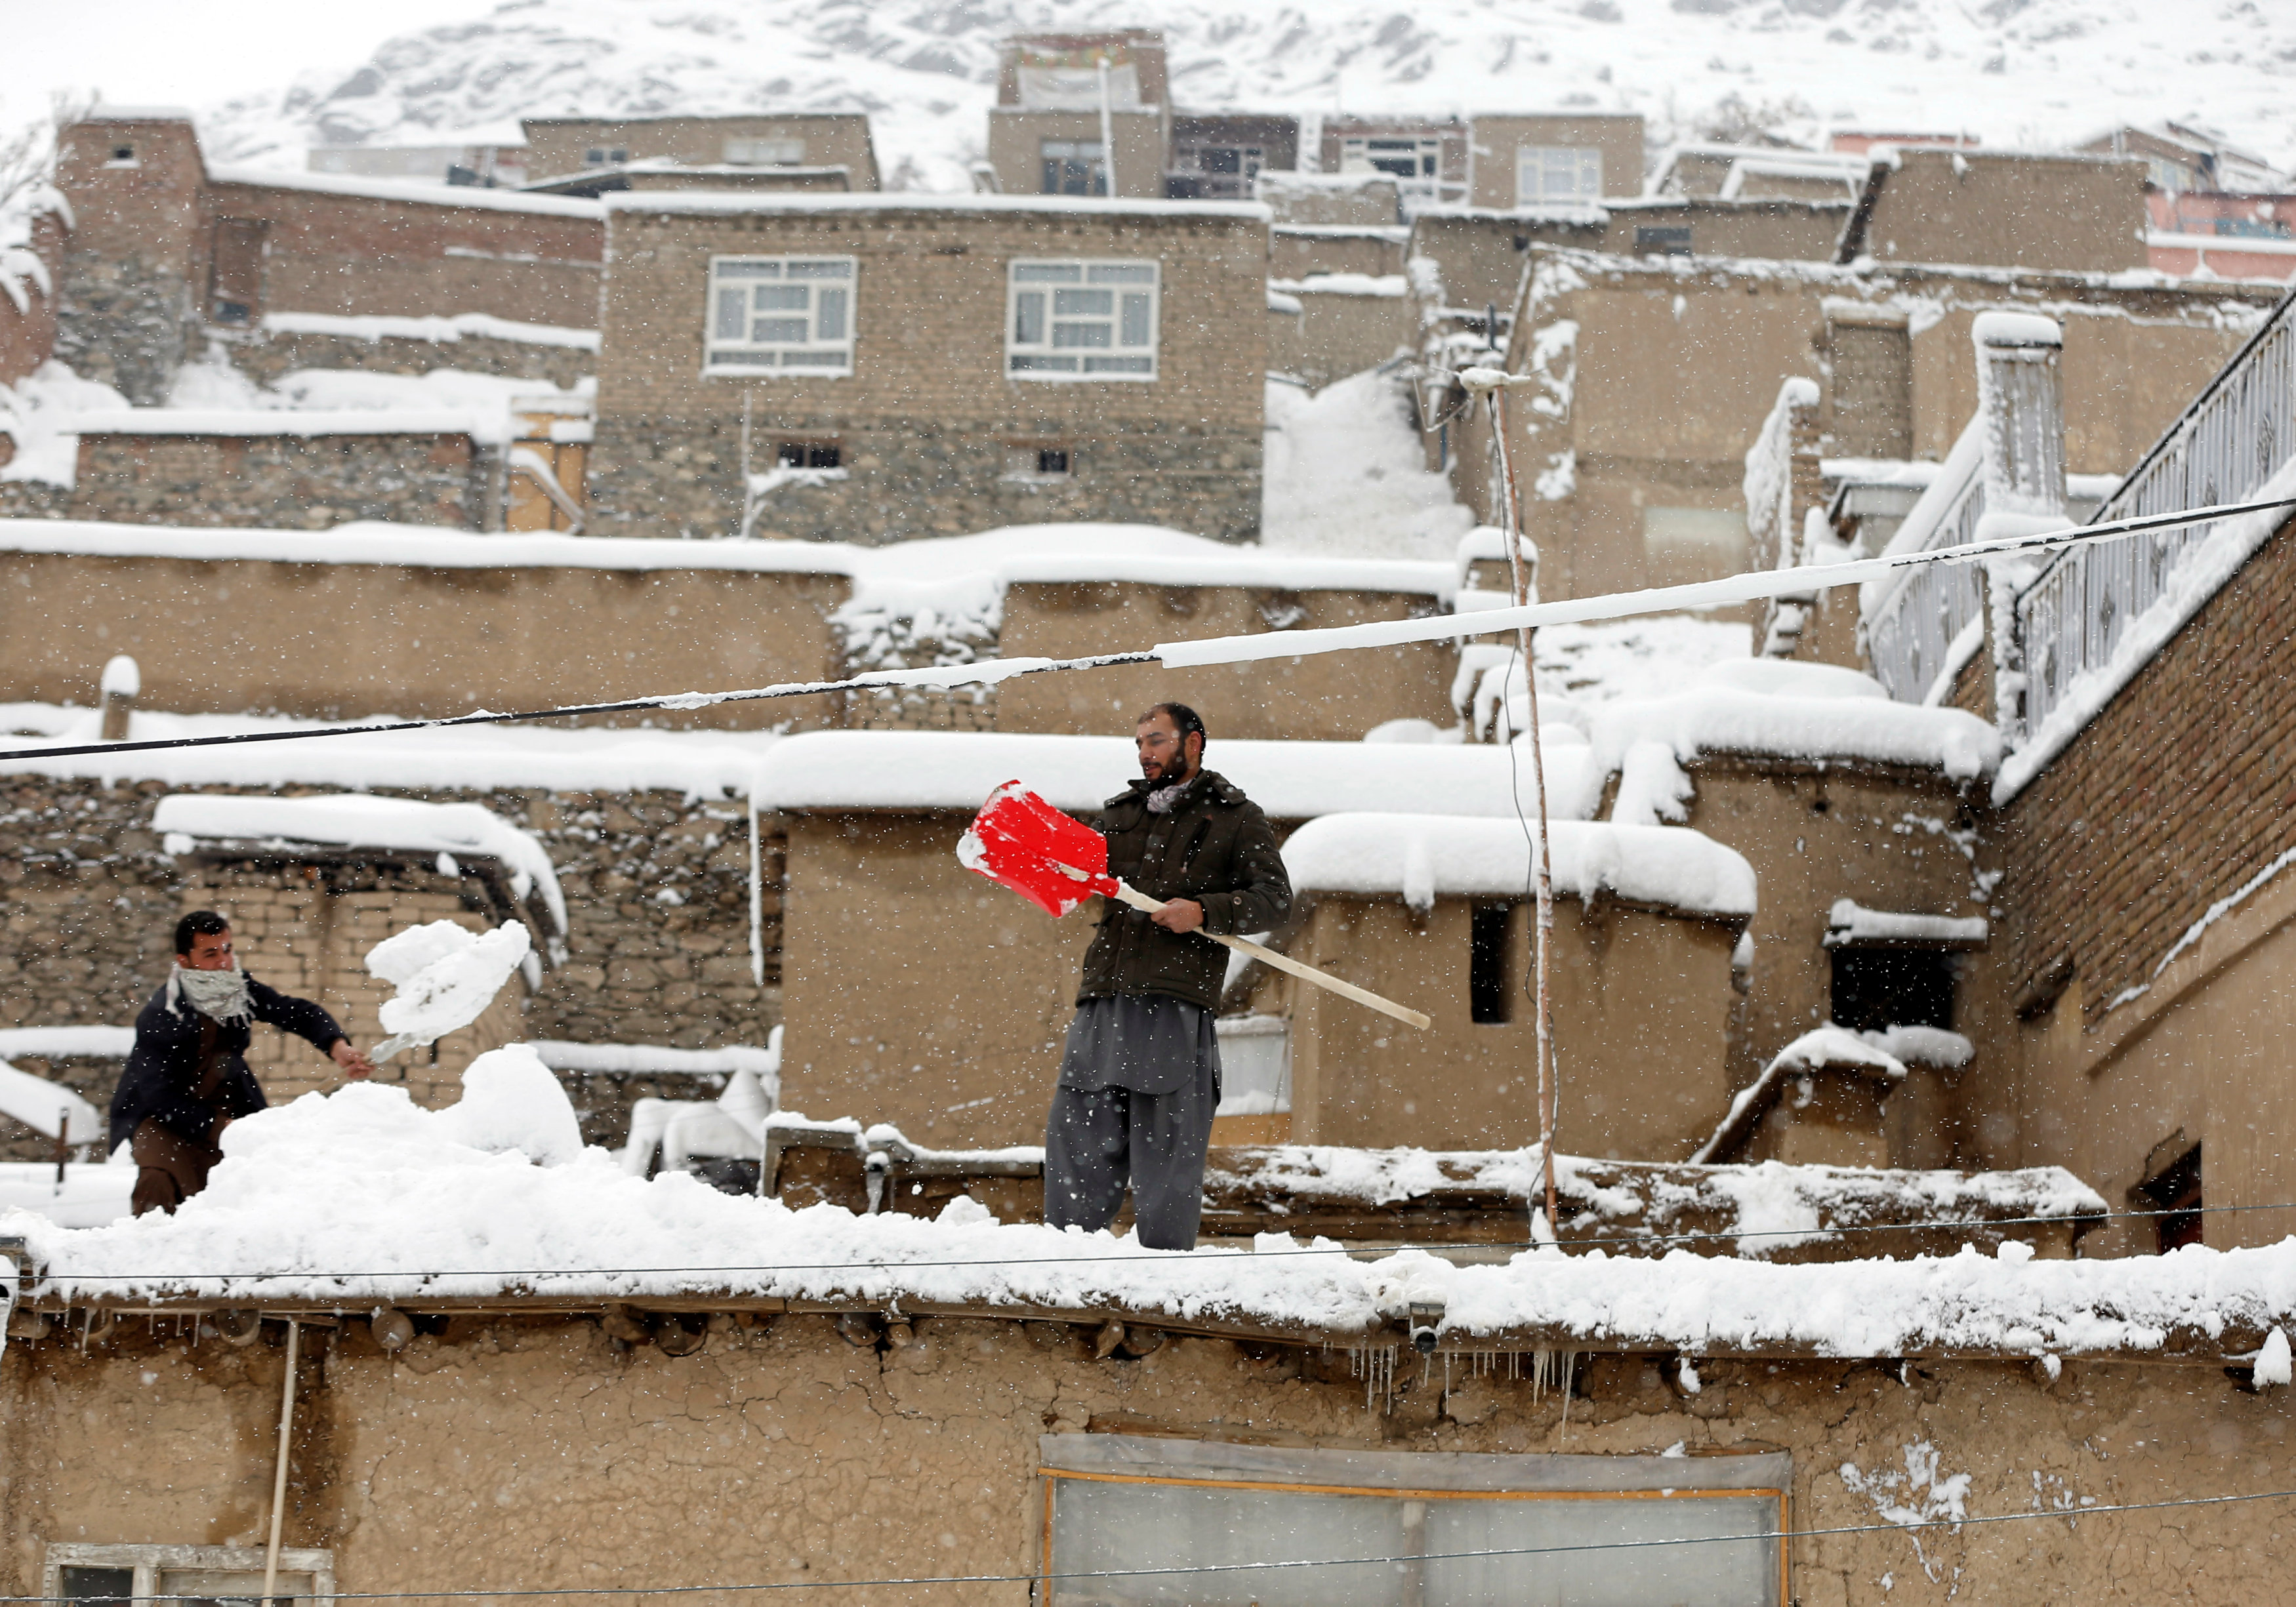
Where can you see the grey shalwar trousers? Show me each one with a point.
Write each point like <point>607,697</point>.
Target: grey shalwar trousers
<point>1140,1078</point>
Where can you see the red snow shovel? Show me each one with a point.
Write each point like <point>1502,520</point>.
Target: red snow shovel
<point>1020,841</point>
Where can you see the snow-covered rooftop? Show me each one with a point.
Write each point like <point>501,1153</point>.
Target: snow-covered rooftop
<point>411,192</point>
<point>1150,554</point>
<point>1423,856</point>
<point>347,1200</point>
<point>822,770</point>
<point>722,203</point>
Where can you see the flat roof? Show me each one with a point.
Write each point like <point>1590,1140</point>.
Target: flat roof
<point>718,203</point>
<point>468,197</point>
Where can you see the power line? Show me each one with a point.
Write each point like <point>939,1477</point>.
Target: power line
<point>1153,1258</point>
<point>1283,644</point>
<point>1762,1537</point>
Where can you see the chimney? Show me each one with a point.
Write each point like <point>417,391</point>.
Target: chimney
<point>122,683</point>
<point>2021,396</point>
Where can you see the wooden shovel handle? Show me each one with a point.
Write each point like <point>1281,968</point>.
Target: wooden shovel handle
<point>1133,896</point>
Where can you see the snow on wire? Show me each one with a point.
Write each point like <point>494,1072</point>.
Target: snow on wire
<point>1267,644</point>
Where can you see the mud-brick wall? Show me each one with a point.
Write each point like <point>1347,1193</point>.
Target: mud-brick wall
<point>657,950</point>
<point>284,482</point>
<point>540,1455</point>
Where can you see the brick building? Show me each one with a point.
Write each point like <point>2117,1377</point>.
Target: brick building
<point>28,268</point>
<point>1623,487</point>
<point>558,147</point>
<point>170,251</point>
<point>930,367</point>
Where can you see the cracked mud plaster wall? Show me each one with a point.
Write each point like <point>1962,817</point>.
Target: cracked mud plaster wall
<point>537,1455</point>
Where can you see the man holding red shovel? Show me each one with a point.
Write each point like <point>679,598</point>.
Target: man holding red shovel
<point>1141,1076</point>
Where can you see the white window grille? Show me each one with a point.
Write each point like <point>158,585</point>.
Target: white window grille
<point>605,156</point>
<point>1081,320</point>
<point>1074,167</point>
<point>790,315</point>
<point>765,154</point>
<point>184,1575</point>
<point>1548,174</point>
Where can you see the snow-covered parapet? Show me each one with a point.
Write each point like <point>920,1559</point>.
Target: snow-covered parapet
<point>1818,713</point>
<point>909,770</point>
<point>1391,285</point>
<point>1421,857</point>
<point>438,331</point>
<point>358,820</point>
<point>1849,924</point>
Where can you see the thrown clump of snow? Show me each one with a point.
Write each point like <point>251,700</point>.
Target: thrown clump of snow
<point>513,1103</point>
<point>447,975</point>
<point>2273,1361</point>
<point>1346,475</point>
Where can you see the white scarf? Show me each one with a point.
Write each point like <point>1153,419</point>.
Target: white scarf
<point>1161,800</point>
<point>220,996</point>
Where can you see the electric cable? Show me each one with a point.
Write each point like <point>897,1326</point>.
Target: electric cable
<point>1739,588</point>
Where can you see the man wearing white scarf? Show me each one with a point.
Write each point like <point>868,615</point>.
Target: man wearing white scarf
<point>187,1078</point>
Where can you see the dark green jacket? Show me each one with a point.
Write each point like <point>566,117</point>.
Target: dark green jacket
<point>1213,846</point>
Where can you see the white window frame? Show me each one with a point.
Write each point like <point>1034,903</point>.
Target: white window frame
<point>1039,360</point>
<point>746,356</point>
<point>1363,154</point>
<point>1534,164</point>
<point>150,1562</point>
<point>764,152</point>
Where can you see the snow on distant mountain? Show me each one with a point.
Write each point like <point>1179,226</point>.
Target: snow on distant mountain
<point>2015,72</point>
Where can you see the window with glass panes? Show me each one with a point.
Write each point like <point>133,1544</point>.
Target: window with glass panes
<point>1081,320</point>
<point>1550,173</point>
<point>790,315</point>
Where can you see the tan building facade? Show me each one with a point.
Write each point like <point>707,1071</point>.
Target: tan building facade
<point>955,365</point>
<point>557,146</point>
<point>1555,159</point>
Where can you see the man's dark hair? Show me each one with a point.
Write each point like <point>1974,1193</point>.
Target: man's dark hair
<point>198,924</point>
<point>1184,720</point>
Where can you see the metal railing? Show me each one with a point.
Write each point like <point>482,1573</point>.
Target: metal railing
<point>1909,631</point>
<point>2234,437</point>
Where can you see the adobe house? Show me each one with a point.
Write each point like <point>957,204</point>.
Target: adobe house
<point>922,994</point>
<point>1528,162</point>
<point>659,173</point>
<point>1432,911</point>
<point>1631,490</point>
<point>964,1399</point>
<point>1055,116</point>
<point>822,141</point>
<point>27,301</point>
<point>1329,326</point>
<point>169,251</point>
<point>1427,156</point>
<point>953,363</point>
<point>2061,212</point>
<point>1219,156</point>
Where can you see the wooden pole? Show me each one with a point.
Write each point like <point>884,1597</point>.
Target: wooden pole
<point>1550,1075</point>
<point>279,1476</point>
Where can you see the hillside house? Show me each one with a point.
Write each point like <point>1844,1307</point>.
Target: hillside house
<point>752,145</point>
<point>1084,115</point>
<point>171,254</point>
<point>1427,156</point>
<point>1622,487</point>
<point>878,369</point>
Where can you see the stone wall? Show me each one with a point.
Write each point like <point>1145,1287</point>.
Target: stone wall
<point>268,354</point>
<point>933,436</point>
<point>538,1454</point>
<point>657,893</point>
<point>283,481</point>
<point>124,321</point>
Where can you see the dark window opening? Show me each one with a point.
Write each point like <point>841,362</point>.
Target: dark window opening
<point>235,270</point>
<point>1661,241</point>
<point>1490,938</point>
<point>2177,1192</point>
<point>101,1586</point>
<point>601,156</point>
<point>1878,988</point>
<point>233,312</point>
<point>807,454</point>
<point>1052,460</point>
<point>119,153</point>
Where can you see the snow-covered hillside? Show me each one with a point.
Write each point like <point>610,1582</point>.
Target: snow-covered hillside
<point>2018,72</point>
